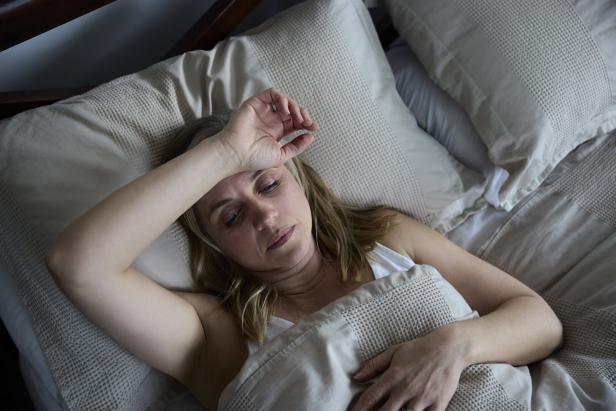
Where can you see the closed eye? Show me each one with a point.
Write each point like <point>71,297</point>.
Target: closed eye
<point>233,220</point>
<point>267,189</point>
<point>270,187</point>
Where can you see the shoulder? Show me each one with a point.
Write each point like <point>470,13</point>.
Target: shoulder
<point>404,233</point>
<point>202,302</point>
<point>220,325</point>
<point>225,351</point>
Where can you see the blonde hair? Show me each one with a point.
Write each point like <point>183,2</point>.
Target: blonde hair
<point>343,234</point>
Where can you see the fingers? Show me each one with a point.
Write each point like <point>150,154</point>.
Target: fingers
<point>296,146</point>
<point>373,394</point>
<point>396,403</point>
<point>287,108</point>
<point>410,397</point>
<point>376,364</point>
<point>277,99</point>
<point>420,403</point>
<point>400,396</point>
<point>308,123</point>
<point>296,114</point>
<point>298,119</point>
<point>283,105</point>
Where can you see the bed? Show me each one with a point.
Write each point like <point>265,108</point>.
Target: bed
<point>494,124</point>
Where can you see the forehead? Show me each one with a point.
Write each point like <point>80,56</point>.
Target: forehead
<point>235,183</point>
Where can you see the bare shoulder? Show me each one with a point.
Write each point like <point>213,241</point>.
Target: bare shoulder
<point>404,233</point>
<point>483,285</point>
<point>225,351</point>
<point>204,303</point>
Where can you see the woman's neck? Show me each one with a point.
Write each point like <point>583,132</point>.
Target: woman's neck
<point>306,290</point>
<point>311,290</point>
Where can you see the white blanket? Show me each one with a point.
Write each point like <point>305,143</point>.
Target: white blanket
<point>310,365</point>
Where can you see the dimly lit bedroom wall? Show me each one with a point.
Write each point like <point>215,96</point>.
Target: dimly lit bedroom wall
<point>120,38</point>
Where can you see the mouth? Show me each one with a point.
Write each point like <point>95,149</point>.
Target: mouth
<point>281,237</point>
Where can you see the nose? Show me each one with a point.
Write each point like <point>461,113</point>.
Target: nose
<point>265,215</point>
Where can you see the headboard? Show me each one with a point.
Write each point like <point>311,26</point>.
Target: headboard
<point>22,20</point>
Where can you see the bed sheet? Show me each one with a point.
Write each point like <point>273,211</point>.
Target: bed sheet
<point>560,241</point>
<point>478,228</point>
<point>37,377</point>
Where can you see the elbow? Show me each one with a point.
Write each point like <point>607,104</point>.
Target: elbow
<point>557,333</point>
<point>62,270</point>
<point>53,262</point>
<point>57,263</point>
<point>554,330</point>
<point>68,264</point>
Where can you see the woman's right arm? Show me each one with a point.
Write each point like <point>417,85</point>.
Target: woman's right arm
<point>110,236</point>
<point>91,259</point>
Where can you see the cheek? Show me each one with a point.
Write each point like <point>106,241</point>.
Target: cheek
<point>302,207</point>
<point>234,239</point>
<point>296,204</point>
<point>238,245</point>
<point>227,240</point>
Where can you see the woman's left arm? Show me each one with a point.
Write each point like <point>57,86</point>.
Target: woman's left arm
<point>516,326</point>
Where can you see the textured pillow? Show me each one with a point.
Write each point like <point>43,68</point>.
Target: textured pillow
<point>441,117</point>
<point>58,161</point>
<point>537,78</point>
<point>347,84</point>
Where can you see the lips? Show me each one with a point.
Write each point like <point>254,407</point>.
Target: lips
<point>281,237</point>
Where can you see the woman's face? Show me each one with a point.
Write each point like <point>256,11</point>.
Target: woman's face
<point>246,212</point>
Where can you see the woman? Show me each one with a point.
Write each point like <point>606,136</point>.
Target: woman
<point>256,211</point>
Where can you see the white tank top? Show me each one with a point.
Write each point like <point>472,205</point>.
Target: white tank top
<point>383,261</point>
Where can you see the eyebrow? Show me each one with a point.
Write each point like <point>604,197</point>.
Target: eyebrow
<point>221,203</point>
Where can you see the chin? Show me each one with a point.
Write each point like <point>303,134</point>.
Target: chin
<point>301,249</point>
<point>304,250</point>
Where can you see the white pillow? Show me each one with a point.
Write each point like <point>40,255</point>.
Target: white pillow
<point>347,84</point>
<point>537,78</point>
<point>58,161</point>
<point>441,117</point>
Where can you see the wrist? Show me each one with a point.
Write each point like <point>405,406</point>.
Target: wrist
<point>226,157</point>
<point>460,342</point>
